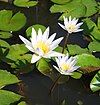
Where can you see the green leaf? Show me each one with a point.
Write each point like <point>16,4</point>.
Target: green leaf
<point>76,75</point>
<point>10,21</point>
<point>16,51</point>
<point>7,78</point>
<point>36,27</point>
<point>60,1</point>
<point>91,7</point>
<point>7,97</point>
<point>5,35</point>
<point>70,9</point>
<point>87,60</point>
<point>4,43</point>
<point>98,24</point>
<point>73,51</point>
<point>43,66</point>
<point>94,46</point>
<point>95,83</point>
<point>90,28</point>
<point>25,3</point>
<point>22,103</point>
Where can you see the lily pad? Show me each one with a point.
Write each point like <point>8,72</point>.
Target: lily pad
<point>60,1</point>
<point>22,103</point>
<point>95,83</point>
<point>90,28</point>
<point>94,46</point>
<point>73,51</point>
<point>4,44</point>
<point>5,76</point>
<point>76,75</point>
<point>5,35</point>
<point>87,60</point>
<point>10,21</point>
<point>36,27</point>
<point>7,97</point>
<point>25,3</point>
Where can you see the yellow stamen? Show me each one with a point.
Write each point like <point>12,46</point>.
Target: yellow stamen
<point>65,66</point>
<point>71,27</point>
<point>43,46</point>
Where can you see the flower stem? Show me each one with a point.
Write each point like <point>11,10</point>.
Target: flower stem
<point>54,84</point>
<point>65,42</point>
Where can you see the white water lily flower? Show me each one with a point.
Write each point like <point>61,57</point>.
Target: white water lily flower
<point>71,25</point>
<point>42,45</point>
<point>66,65</point>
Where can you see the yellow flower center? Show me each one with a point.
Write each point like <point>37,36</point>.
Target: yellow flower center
<point>43,46</point>
<point>65,66</point>
<point>71,28</point>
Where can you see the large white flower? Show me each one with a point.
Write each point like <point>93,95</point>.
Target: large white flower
<point>66,65</point>
<point>71,25</point>
<point>41,45</point>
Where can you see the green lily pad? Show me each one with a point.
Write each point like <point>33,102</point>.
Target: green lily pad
<point>76,75</point>
<point>95,83</point>
<point>7,78</point>
<point>22,103</point>
<point>91,7</point>
<point>90,28</point>
<point>43,66</point>
<point>4,44</point>
<point>94,46</point>
<point>5,35</point>
<point>60,1</point>
<point>87,60</point>
<point>25,3</point>
<point>10,21</point>
<point>36,27</point>
<point>7,97</point>
<point>73,51</point>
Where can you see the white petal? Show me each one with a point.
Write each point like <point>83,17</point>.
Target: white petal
<point>39,37</point>
<point>69,19</point>
<point>54,54</point>
<point>27,43</point>
<point>55,43</point>
<point>78,30</point>
<point>51,38</point>
<point>57,60</point>
<point>56,67</point>
<point>46,34</point>
<point>62,26</point>
<point>79,24</point>
<point>33,34</point>
<point>35,58</point>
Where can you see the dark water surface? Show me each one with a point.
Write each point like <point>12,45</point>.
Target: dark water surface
<point>37,85</point>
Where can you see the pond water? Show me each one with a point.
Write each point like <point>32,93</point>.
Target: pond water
<point>36,86</point>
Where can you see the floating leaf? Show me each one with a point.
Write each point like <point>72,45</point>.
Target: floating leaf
<point>22,103</point>
<point>90,28</point>
<point>7,78</point>
<point>76,75</point>
<point>75,49</point>
<point>10,21</point>
<point>5,35</point>
<point>91,7</point>
<point>7,97</point>
<point>60,1</point>
<point>25,3</point>
<point>86,60</point>
<point>4,43</point>
<point>95,83</point>
<point>43,66</point>
<point>20,50</point>
<point>94,46</point>
<point>36,27</point>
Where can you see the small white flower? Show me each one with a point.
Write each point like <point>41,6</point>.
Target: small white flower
<point>66,65</point>
<point>41,45</point>
<point>71,25</point>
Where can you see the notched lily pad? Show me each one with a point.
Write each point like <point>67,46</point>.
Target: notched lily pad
<point>25,3</point>
<point>5,76</point>
<point>61,1</point>
<point>95,83</point>
<point>10,21</point>
<point>7,97</point>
